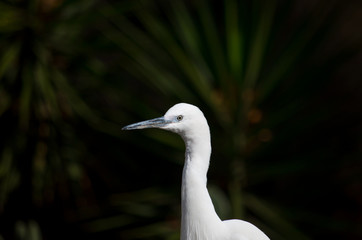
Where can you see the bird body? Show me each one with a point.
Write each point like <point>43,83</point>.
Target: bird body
<point>199,220</point>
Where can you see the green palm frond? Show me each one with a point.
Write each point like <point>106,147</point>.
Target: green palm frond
<point>72,73</point>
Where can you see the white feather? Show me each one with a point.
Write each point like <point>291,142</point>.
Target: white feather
<point>199,219</point>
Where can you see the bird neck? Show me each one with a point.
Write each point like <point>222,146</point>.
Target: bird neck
<point>197,155</point>
<point>198,213</point>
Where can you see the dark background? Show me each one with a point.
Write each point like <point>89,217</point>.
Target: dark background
<point>279,82</point>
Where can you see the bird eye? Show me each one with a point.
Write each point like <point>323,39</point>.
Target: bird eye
<point>179,117</point>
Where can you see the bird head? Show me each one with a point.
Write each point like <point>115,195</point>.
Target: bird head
<point>182,118</point>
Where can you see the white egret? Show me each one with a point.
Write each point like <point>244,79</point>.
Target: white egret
<point>199,220</point>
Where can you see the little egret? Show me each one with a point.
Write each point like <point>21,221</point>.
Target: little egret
<point>199,220</point>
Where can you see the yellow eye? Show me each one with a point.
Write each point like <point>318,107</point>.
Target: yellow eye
<point>179,117</point>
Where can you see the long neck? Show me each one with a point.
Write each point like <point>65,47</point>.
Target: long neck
<point>198,214</point>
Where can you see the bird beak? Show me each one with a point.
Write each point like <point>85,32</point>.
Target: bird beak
<point>153,123</point>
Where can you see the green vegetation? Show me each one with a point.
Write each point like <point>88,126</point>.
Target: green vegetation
<point>279,82</point>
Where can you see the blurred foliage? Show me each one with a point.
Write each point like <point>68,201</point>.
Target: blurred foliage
<point>279,82</point>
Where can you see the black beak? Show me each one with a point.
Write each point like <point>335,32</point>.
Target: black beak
<point>153,123</point>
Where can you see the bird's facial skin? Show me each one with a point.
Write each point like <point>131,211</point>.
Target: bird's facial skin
<point>176,122</point>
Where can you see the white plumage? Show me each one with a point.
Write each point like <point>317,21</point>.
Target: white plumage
<point>199,219</point>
